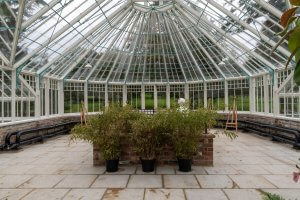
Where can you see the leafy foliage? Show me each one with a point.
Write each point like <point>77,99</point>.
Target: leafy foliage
<point>148,135</point>
<point>187,129</point>
<point>291,22</point>
<point>269,196</point>
<point>106,130</point>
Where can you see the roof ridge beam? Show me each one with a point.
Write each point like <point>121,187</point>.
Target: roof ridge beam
<point>81,39</point>
<point>96,42</point>
<point>189,51</point>
<point>117,58</point>
<point>17,31</point>
<point>58,33</point>
<point>172,41</point>
<point>108,49</point>
<point>204,32</point>
<point>39,13</point>
<point>229,37</point>
<point>247,26</point>
<point>269,8</point>
<point>137,41</point>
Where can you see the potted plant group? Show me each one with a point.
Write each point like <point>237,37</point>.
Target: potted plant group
<point>105,133</point>
<point>147,139</point>
<point>186,131</point>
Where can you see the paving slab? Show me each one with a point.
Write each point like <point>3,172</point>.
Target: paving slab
<point>85,194</point>
<point>90,169</point>
<point>251,181</point>
<point>165,169</point>
<point>164,194</point>
<point>224,169</point>
<point>195,170</point>
<point>245,194</point>
<point>124,194</point>
<point>215,181</point>
<point>42,181</point>
<point>13,181</point>
<point>49,194</point>
<point>282,181</point>
<point>145,181</point>
<point>207,194</point>
<point>76,181</point>
<point>250,169</point>
<point>124,169</point>
<point>111,181</point>
<point>280,169</point>
<point>13,194</point>
<point>180,181</point>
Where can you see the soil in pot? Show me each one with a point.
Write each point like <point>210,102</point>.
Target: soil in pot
<point>148,165</point>
<point>112,165</point>
<point>185,165</point>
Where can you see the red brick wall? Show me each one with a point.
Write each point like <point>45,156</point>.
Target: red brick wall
<point>167,155</point>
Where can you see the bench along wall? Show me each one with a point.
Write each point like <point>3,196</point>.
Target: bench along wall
<point>167,156</point>
<point>19,126</point>
<point>278,121</point>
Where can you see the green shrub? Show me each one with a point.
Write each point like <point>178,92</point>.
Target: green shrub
<point>147,136</point>
<point>187,129</point>
<point>106,130</point>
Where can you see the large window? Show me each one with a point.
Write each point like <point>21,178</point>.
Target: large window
<point>96,97</point>
<point>196,95</point>
<point>176,92</point>
<point>115,95</point>
<point>161,96</point>
<point>73,97</point>
<point>134,96</point>
<point>216,96</point>
<point>240,90</point>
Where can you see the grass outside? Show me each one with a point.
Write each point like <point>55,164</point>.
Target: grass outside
<point>242,103</point>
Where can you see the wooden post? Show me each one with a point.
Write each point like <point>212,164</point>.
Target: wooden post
<point>232,117</point>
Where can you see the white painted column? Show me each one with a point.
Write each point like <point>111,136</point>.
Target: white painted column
<point>37,106</point>
<point>124,95</point>
<point>155,97</point>
<point>252,94</point>
<point>61,98</point>
<point>13,94</point>
<point>47,96</point>
<point>205,94</point>
<point>186,92</point>
<point>266,93</point>
<point>276,104</point>
<point>143,97</point>
<point>86,102</point>
<point>226,96</point>
<point>106,96</point>
<point>168,101</point>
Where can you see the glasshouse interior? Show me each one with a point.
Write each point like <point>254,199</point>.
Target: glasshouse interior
<point>150,99</point>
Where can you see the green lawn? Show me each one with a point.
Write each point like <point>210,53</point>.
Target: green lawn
<point>218,104</point>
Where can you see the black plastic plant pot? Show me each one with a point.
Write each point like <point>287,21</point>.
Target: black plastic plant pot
<point>112,165</point>
<point>148,165</point>
<point>185,165</point>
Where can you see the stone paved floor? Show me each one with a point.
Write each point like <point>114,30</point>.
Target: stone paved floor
<point>59,170</point>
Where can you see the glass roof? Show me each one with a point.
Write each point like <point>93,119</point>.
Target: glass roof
<point>142,41</point>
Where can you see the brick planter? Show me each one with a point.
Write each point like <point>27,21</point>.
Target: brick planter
<point>167,155</point>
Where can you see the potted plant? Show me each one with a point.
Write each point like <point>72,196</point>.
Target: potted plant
<point>104,131</point>
<point>146,139</point>
<point>186,131</point>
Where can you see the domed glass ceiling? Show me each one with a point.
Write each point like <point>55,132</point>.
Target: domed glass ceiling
<point>137,41</point>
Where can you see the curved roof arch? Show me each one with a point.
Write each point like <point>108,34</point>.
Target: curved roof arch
<point>143,41</point>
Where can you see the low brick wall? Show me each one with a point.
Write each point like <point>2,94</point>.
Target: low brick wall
<point>278,121</point>
<point>18,126</point>
<point>167,155</point>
